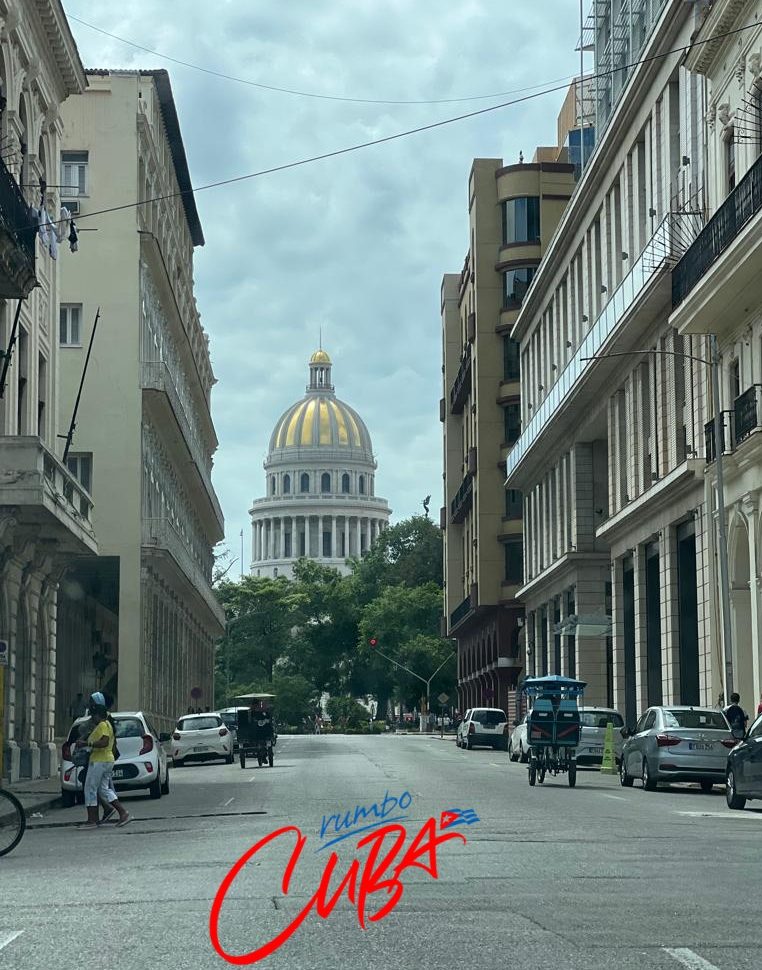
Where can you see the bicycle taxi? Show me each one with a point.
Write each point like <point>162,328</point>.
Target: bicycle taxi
<point>553,726</point>
<point>256,729</point>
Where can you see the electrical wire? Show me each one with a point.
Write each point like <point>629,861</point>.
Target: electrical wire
<point>402,134</point>
<point>310,94</point>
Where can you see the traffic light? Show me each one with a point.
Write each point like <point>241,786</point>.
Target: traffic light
<point>373,642</point>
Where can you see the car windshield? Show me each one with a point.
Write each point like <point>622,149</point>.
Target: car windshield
<point>229,719</point>
<point>600,719</point>
<point>488,718</point>
<point>199,723</point>
<point>711,720</point>
<point>129,727</point>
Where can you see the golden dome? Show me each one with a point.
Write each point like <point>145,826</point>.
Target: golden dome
<point>320,357</point>
<point>322,421</point>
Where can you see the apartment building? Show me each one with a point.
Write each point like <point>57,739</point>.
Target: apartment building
<point>45,514</point>
<point>144,437</point>
<point>716,288</point>
<point>513,212</point>
<point>619,579</point>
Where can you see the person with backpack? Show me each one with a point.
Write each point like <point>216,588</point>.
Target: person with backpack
<point>736,716</point>
<point>101,744</point>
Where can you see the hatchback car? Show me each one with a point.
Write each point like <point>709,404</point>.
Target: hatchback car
<point>201,737</point>
<point>483,725</point>
<point>229,717</point>
<point>518,746</point>
<point>670,744</point>
<point>592,736</point>
<point>142,761</point>
<point>744,768</point>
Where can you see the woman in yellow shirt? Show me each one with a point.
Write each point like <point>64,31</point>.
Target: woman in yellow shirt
<point>98,781</point>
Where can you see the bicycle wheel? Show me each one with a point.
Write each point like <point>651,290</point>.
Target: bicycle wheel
<point>12,822</point>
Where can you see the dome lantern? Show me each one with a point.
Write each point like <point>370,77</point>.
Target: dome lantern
<point>320,372</point>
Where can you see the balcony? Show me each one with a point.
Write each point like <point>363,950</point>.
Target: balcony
<point>43,493</point>
<point>461,387</point>
<point>17,240</point>
<point>463,501</point>
<point>160,536</point>
<point>720,270</point>
<point>464,609</point>
<point>726,435</point>
<point>746,413</point>
<point>157,377</point>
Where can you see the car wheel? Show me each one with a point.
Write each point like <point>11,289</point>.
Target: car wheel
<point>154,789</point>
<point>706,786</point>
<point>165,785</point>
<point>68,799</point>
<point>511,753</point>
<point>734,800</point>
<point>467,744</point>
<point>523,756</point>
<point>532,775</point>
<point>625,780</point>
<point>649,782</point>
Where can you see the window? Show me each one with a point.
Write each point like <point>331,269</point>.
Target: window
<point>512,419</point>
<point>514,563</point>
<point>73,174</point>
<point>70,325</point>
<point>287,545</point>
<point>361,485</point>
<point>695,720</point>
<point>272,485</point>
<point>649,721</point>
<point>286,484</point>
<point>735,379</point>
<point>756,729</point>
<point>600,719</point>
<point>513,504</point>
<point>515,285</point>
<point>345,483</point>
<point>511,365</point>
<point>327,545</point>
<point>81,467</point>
<point>325,482</point>
<point>521,220</point>
<point>304,482</point>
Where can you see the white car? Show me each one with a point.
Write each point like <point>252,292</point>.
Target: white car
<point>142,759</point>
<point>483,725</point>
<point>518,747</point>
<point>593,721</point>
<point>201,737</point>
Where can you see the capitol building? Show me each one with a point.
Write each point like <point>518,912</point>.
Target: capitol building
<point>320,477</point>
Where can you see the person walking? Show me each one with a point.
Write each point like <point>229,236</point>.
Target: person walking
<point>98,781</point>
<point>736,716</point>
<point>759,706</point>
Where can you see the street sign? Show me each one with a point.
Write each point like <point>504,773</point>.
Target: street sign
<point>4,652</point>
<point>196,693</point>
<point>443,698</point>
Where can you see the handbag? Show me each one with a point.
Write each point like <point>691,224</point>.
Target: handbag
<point>80,757</point>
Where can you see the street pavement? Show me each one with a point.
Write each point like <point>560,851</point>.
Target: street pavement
<point>584,879</point>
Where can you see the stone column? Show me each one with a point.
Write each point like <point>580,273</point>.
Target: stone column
<point>282,537</point>
<point>320,537</point>
<point>670,632</point>
<point>334,550</point>
<point>751,512</point>
<point>617,631</point>
<point>292,525</point>
<point>368,538</point>
<point>642,700</point>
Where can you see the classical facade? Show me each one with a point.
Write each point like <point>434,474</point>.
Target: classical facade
<point>618,512</point>
<point>45,513</point>
<point>320,477</point>
<point>513,212</point>
<point>144,438</point>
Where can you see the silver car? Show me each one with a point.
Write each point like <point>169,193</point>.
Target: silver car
<point>518,746</point>
<point>677,743</point>
<point>592,735</point>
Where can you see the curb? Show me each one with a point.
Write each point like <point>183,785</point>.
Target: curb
<point>53,802</point>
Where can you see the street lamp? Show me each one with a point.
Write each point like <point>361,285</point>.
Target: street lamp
<point>714,363</point>
<point>374,644</point>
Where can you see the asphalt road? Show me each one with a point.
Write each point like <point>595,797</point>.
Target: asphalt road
<point>585,879</point>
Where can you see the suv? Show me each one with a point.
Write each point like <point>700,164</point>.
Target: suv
<point>483,725</point>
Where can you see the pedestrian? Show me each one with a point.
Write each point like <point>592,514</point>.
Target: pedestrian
<point>736,716</point>
<point>318,724</point>
<point>98,781</point>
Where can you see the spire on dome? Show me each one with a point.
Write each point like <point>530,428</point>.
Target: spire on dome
<point>320,372</point>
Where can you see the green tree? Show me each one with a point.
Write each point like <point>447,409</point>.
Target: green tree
<point>406,554</point>
<point>346,713</point>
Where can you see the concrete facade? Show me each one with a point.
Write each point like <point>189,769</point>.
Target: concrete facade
<point>513,212</point>
<point>144,431</point>
<point>45,514</point>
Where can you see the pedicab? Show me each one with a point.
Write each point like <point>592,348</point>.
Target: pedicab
<point>256,730</point>
<point>553,726</point>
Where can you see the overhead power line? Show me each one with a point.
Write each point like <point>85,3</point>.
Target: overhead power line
<point>402,134</point>
<point>310,94</point>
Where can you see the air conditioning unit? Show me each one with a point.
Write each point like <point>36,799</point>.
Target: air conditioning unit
<point>73,205</point>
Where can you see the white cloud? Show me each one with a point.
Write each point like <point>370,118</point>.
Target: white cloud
<point>357,244</point>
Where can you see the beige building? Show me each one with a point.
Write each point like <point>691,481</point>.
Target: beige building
<point>144,438</point>
<point>45,514</point>
<point>513,212</point>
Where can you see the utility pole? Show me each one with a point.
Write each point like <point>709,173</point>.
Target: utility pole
<point>374,645</point>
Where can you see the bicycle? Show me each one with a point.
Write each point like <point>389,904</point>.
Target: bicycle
<point>12,822</point>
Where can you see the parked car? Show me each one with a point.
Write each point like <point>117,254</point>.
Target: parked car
<point>229,717</point>
<point>483,725</point>
<point>201,737</point>
<point>677,744</point>
<point>743,776</point>
<point>142,761</point>
<point>594,721</point>
<point>518,747</point>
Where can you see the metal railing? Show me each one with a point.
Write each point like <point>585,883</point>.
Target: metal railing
<point>462,383</point>
<point>741,205</point>
<point>463,499</point>
<point>463,609</point>
<point>16,219</point>
<point>746,412</point>
<point>726,435</point>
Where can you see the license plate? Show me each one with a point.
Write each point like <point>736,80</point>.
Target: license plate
<point>117,773</point>
<point>200,747</point>
<point>695,746</point>
<point>596,750</point>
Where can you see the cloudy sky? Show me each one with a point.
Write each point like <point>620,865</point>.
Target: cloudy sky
<point>358,244</point>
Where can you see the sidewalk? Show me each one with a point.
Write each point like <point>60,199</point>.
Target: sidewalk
<point>41,795</point>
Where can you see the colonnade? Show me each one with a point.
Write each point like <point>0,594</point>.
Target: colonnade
<point>314,536</point>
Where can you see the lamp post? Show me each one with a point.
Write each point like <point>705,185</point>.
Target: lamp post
<point>374,645</point>
<point>714,364</point>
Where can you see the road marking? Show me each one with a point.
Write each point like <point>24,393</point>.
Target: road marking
<point>752,815</point>
<point>6,938</point>
<point>228,802</point>
<point>619,798</point>
<point>689,959</point>
<point>495,764</point>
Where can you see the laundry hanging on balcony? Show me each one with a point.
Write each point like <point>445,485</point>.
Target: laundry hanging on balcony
<point>47,232</point>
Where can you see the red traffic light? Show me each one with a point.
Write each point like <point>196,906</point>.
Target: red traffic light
<point>373,641</point>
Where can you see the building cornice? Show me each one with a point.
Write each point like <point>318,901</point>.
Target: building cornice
<point>50,16</point>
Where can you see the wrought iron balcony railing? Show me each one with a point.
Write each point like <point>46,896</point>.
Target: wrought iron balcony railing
<point>18,235</point>
<point>461,610</point>
<point>463,499</point>
<point>747,412</point>
<point>744,202</point>
<point>726,435</point>
<point>462,384</point>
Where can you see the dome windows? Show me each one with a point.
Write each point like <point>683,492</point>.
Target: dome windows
<point>325,482</point>
<point>304,483</point>
<point>361,484</point>
<point>286,484</point>
<point>272,485</point>
<point>345,483</point>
